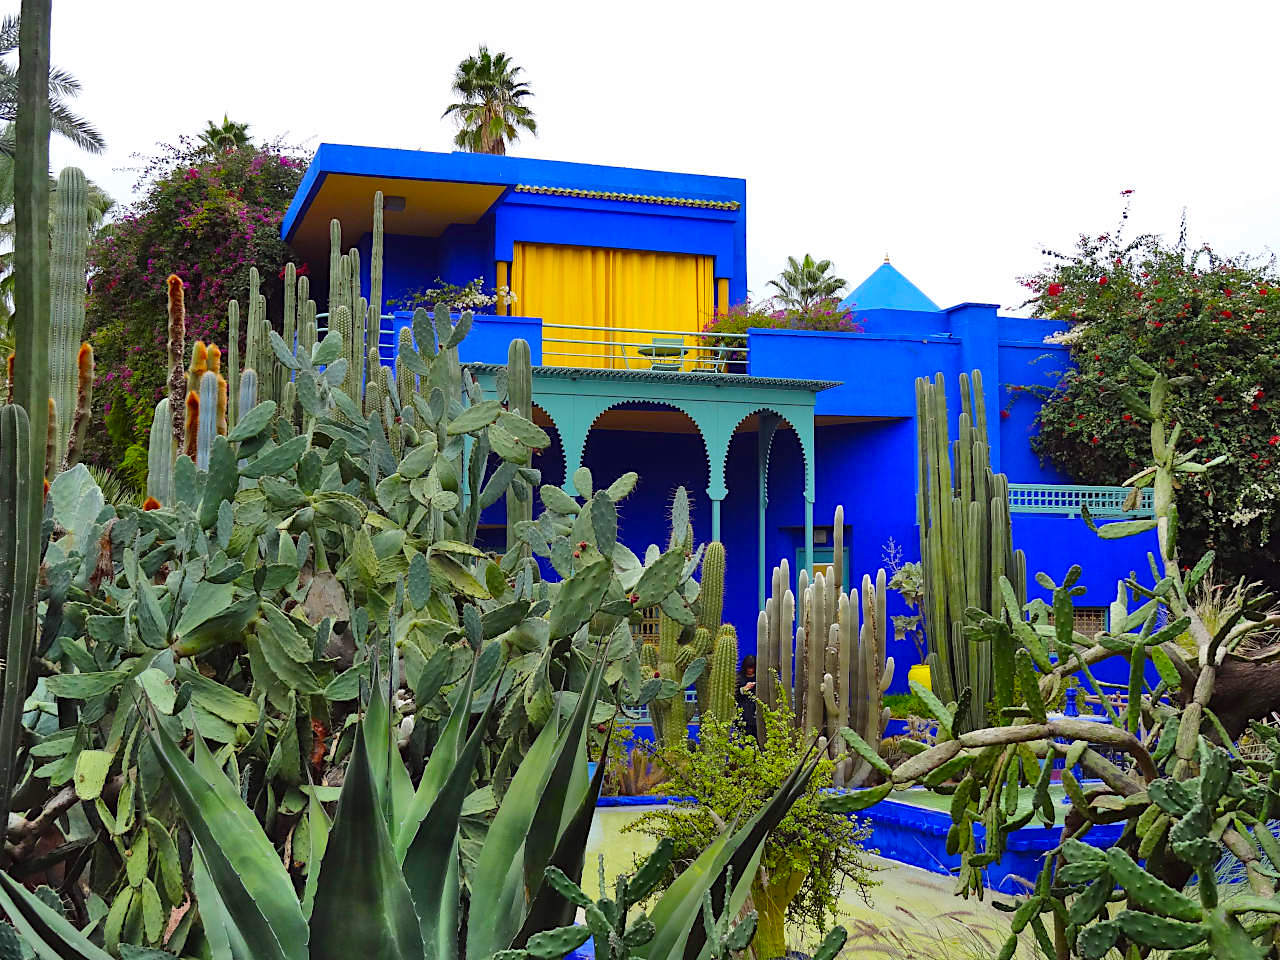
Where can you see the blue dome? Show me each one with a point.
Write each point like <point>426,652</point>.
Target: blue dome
<point>887,289</point>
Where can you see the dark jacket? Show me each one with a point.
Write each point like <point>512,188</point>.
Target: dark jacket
<point>746,703</point>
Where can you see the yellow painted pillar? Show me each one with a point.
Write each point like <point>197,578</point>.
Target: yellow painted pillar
<point>504,308</point>
<point>722,294</point>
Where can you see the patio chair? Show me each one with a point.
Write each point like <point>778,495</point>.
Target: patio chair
<point>665,353</point>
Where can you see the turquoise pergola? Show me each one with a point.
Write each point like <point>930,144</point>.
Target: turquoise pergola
<point>575,398</point>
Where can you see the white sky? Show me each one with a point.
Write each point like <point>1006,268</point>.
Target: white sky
<point>961,138</point>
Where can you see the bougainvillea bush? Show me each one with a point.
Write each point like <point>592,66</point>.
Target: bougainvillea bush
<point>1188,312</point>
<point>207,219</point>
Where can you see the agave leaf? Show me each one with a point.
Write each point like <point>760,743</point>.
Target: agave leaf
<point>441,763</point>
<point>42,928</point>
<point>362,904</point>
<point>494,920</point>
<point>225,942</point>
<point>318,834</point>
<point>549,909</point>
<point>243,865</point>
<point>431,864</point>
<point>559,801</point>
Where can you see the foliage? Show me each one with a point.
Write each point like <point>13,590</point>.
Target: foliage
<point>224,137</point>
<point>633,772</point>
<point>63,87</point>
<point>803,284</point>
<point>907,580</point>
<point>491,111</point>
<point>1187,312</point>
<point>1184,795</point>
<point>207,220</point>
<point>469,296</point>
<point>808,858</point>
<point>825,314</point>
<point>903,705</point>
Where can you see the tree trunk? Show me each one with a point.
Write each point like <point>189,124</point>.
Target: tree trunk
<point>771,900</point>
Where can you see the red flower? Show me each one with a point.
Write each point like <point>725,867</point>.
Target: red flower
<point>1127,416</point>
<point>1097,356</point>
<point>1004,414</point>
<point>1093,439</point>
<point>1253,406</point>
<point>1273,441</point>
<point>1227,314</point>
<point>1199,439</point>
<point>1258,395</point>
<point>1102,280</point>
<point>1055,289</point>
<point>1219,399</point>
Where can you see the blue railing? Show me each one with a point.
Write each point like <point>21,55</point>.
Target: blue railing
<point>1065,500</point>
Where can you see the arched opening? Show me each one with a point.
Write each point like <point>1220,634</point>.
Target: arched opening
<point>664,446</point>
<point>760,525</point>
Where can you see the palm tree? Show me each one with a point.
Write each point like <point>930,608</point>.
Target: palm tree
<point>490,113</point>
<point>62,87</point>
<point>804,283</point>
<point>226,137</point>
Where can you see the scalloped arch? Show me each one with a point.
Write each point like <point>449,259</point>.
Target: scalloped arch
<point>675,405</point>
<point>803,437</point>
<point>559,434</point>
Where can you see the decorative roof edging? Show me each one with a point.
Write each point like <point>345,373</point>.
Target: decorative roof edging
<point>628,197</point>
<point>667,376</point>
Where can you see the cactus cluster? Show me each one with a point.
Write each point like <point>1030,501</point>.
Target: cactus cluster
<point>701,652</point>
<point>966,540</point>
<point>839,653</point>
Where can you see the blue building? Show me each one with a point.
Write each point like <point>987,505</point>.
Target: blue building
<point>616,273</point>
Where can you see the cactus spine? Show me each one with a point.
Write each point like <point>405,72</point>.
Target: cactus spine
<point>722,701</point>
<point>160,454</point>
<point>66,299</point>
<point>966,541</point>
<point>840,643</point>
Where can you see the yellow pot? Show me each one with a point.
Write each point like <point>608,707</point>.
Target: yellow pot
<point>921,674</point>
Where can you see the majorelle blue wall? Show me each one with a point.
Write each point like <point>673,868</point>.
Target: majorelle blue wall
<point>535,201</point>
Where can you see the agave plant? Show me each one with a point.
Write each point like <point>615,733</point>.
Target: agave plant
<point>385,876</point>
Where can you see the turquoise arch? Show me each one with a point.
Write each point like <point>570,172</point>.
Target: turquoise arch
<point>717,404</point>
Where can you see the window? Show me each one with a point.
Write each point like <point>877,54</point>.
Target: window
<point>1089,621</point>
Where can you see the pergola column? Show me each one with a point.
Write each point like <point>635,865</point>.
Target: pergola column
<point>764,442</point>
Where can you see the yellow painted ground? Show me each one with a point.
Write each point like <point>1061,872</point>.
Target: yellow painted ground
<point>911,914</point>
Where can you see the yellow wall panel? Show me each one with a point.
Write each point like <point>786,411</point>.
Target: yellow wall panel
<point>625,297</point>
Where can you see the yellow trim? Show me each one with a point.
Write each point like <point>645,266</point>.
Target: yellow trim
<point>609,289</point>
<point>504,308</point>
<point>628,197</point>
<point>722,295</point>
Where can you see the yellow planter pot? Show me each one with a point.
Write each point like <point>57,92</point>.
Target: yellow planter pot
<point>921,674</point>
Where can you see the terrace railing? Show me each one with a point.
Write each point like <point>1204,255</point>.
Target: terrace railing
<point>639,348</point>
<point>1066,500</point>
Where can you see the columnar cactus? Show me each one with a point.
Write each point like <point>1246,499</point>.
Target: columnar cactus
<point>160,455</point>
<point>207,422</point>
<point>839,646</point>
<point>375,266</point>
<point>723,704</point>
<point>668,712</point>
<point>177,354</point>
<point>83,407</point>
<point>519,400</point>
<point>233,360</point>
<point>711,595</point>
<point>966,542</point>
<point>248,398</point>
<point>66,302</point>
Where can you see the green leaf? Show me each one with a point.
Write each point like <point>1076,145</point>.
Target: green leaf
<point>207,601</point>
<point>475,417</point>
<point>276,460</point>
<point>579,598</point>
<point>153,626</point>
<point>362,904</point>
<point>138,859</point>
<point>659,578</point>
<point>327,350</point>
<point>217,698</point>
<point>253,422</point>
<point>159,689</point>
<point>604,522</point>
<point>91,772</point>
<point>43,929</point>
<point>935,707</point>
<point>1125,528</point>
<point>854,800</point>
<point>242,863</point>
<point>84,686</point>
<point>167,859</point>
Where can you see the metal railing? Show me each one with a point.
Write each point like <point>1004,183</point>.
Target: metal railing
<point>637,348</point>
<point>1067,499</point>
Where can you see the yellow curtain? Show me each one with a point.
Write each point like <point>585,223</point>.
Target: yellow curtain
<point>626,299</point>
